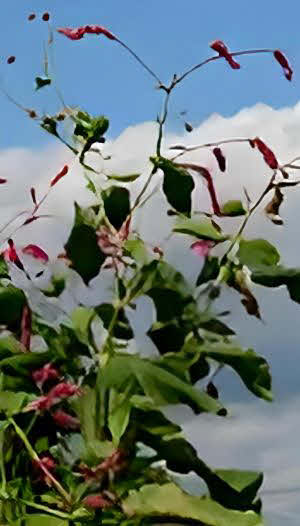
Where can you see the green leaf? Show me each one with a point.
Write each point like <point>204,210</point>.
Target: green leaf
<point>216,326</point>
<point>209,271</point>
<point>119,413</point>
<point>168,303</point>
<point>43,520</point>
<point>233,208</point>
<point>12,301</point>
<point>124,178</point>
<point>168,337</point>
<point>116,205</point>
<point>252,368</point>
<point>136,248</point>
<point>81,319</point>
<point>170,501</point>
<point>3,267</point>
<point>41,82</point>
<point>178,185</point>
<point>276,276</point>
<point>85,408</point>
<point>83,250</point>
<point>158,384</point>
<point>257,252</point>
<point>246,482</point>
<point>199,229</point>
<point>13,403</point>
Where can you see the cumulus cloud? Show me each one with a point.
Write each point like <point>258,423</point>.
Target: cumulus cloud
<point>257,436</point>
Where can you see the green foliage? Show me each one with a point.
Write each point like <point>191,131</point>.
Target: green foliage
<point>199,229</point>
<point>233,208</point>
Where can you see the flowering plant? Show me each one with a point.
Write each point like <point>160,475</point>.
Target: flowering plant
<point>84,438</point>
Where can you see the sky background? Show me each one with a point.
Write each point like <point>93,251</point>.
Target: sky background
<point>99,76</point>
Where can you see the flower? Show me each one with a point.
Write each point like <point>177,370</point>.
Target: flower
<point>59,392</point>
<point>78,32</point>
<point>47,372</point>
<point>63,419</point>
<point>36,252</point>
<point>268,155</point>
<point>283,61</point>
<point>202,248</point>
<point>220,158</point>
<point>219,47</point>
<point>61,174</point>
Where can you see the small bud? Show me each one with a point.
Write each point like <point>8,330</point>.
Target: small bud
<point>189,128</point>
<point>31,17</point>
<point>11,60</point>
<point>46,17</point>
<point>212,390</point>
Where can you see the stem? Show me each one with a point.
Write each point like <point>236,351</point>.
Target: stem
<point>211,59</point>
<point>140,61</point>
<point>57,513</point>
<point>247,217</point>
<point>34,456</point>
<point>162,119</point>
<point>206,145</point>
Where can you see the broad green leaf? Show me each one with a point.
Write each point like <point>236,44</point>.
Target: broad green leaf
<point>252,368</point>
<point>209,271</point>
<point>257,252</point>
<point>168,337</point>
<point>116,205</point>
<point>178,185</point>
<point>85,408</point>
<point>12,301</point>
<point>3,267</point>
<point>13,403</point>
<point>170,501</point>
<point>233,208</point>
<point>216,326</point>
<point>158,384</point>
<point>81,319</point>
<point>168,303</point>
<point>37,519</point>
<point>119,413</point>
<point>124,178</point>
<point>83,250</point>
<point>23,364</point>
<point>199,229</point>
<point>138,251</point>
<point>275,276</point>
<point>247,482</point>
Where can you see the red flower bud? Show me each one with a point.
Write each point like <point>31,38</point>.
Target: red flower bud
<point>46,17</point>
<point>279,56</point>
<point>36,252</point>
<point>47,372</point>
<point>97,502</point>
<point>63,390</point>
<point>268,155</point>
<point>220,158</point>
<point>33,196</point>
<point>61,174</point>
<point>2,181</point>
<point>11,60</point>
<point>31,17</point>
<point>65,420</point>
<point>78,32</point>
<point>223,51</point>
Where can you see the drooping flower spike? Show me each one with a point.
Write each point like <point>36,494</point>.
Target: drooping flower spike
<point>78,32</point>
<point>220,158</point>
<point>279,56</point>
<point>219,47</point>
<point>268,155</point>
<point>61,174</point>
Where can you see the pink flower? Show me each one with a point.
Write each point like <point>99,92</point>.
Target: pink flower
<point>279,56</point>
<point>59,392</point>
<point>97,502</point>
<point>202,248</point>
<point>268,155</point>
<point>61,174</point>
<point>39,404</point>
<point>219,47</point>
<point>47,372</point>
<point>220,158</point>
<point>36,252</point>
<point>79,32</point>
<point>26,327</point>
<point>65,420</point>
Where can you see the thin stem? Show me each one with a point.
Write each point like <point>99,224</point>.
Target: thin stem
<point>186,149</point>
<point>34,456</point>
<point>162,120</point>
<point>247,217</point>
<point>211,59</point>
<point>143,190</point>
<point>57,513</point>
<point>140,61</point>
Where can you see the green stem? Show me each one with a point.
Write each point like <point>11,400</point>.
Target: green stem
<point>247,217</point>
<point>57,513</point>
<point>34,456</point>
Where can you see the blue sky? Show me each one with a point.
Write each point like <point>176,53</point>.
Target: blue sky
<point>170,36</point>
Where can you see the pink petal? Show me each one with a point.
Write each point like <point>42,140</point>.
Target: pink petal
<point>63,419</point>
<point>36,252</point>
<point>223,51</point>
<point>283,61</point>
<point>97,501</point>
<point>202,248</point>
<point>78,32</point>
<point>47,372</point>
<point>61,174</point>
<point>268,155</point>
